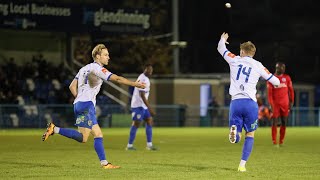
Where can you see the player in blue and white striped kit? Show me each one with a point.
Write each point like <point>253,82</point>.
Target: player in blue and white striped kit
<point>84,87</point>
<point>244,76</point>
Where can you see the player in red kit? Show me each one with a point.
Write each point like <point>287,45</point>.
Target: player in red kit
<point>281,99</point>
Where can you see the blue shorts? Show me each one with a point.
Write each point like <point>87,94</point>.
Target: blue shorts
<point>140,113</point>
<point>244,114</point>
<point>85,114</point>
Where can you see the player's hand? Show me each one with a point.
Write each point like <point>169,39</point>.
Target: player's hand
<point>152,112</point>
<point>290,107</point>
<point>139,84</point>
<point>270,116</point>
<point>225,36</point>
<point>271,109</point>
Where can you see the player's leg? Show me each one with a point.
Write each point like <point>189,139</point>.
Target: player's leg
<point>148,124</point>
<point>98,147</point>
<point>85,117</point>
<point>98,139</point>
<point>283,127</point>
<point>274,130</point>
<point>81,110</point>
<point>274,126</point>
<point>250,124</point>
<point>284,120</point>
<point>137,116</point>
<point>133,131</point>
<point>69,133</point>
<point>235,121</point>
<point>246,151</point>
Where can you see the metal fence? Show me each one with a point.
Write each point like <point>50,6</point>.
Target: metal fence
<point>37,116</point>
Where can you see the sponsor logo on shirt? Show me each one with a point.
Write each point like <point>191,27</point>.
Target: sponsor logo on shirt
<point>283,79</point>
<point>281,85</point>
<point>231,55</point>
<point>104,70</point>
<point>80,119</point>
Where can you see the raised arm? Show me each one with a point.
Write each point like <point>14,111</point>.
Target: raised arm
<point>222,49</point>
<point>222,44</point>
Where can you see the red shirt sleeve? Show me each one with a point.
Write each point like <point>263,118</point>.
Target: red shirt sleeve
<point>270,90</point>
<point>290,89</point>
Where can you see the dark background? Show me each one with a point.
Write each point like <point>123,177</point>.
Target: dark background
<point>283,30</point>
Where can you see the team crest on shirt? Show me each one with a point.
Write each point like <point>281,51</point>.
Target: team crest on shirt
<point>283,79</point>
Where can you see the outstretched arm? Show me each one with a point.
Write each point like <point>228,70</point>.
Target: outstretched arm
<point>222,49</point>
<point>122,80</point>
<point>106,75</point>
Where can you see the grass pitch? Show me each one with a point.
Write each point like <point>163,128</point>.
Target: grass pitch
<point>184,153</point>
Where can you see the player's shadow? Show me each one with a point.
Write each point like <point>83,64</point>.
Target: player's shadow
<point>197,167</point>
<point>226,169</point>
<point>28,164</point>
<point>181,165</point>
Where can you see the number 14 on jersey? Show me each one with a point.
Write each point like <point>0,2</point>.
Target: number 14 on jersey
<point>244,71</point>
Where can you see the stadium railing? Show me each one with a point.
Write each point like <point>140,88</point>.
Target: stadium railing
<point>37,116</point>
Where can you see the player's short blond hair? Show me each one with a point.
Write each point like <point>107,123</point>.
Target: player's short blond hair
<point>248,47</point>
<point>97,50</point>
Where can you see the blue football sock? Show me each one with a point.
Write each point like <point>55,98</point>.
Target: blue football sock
<point>98,146</point>
<point>71,133</point>
<point>133,132</point>
<point>149,133</point>
<point>247,148</point>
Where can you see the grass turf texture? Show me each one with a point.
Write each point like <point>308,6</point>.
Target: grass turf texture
<point>184,153</point>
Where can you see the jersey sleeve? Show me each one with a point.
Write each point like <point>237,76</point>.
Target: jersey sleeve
<point>102,72</point>
<point>77,76</point>
<point>225,53</point>
<point>290,88</point>
<point>264,72</point>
